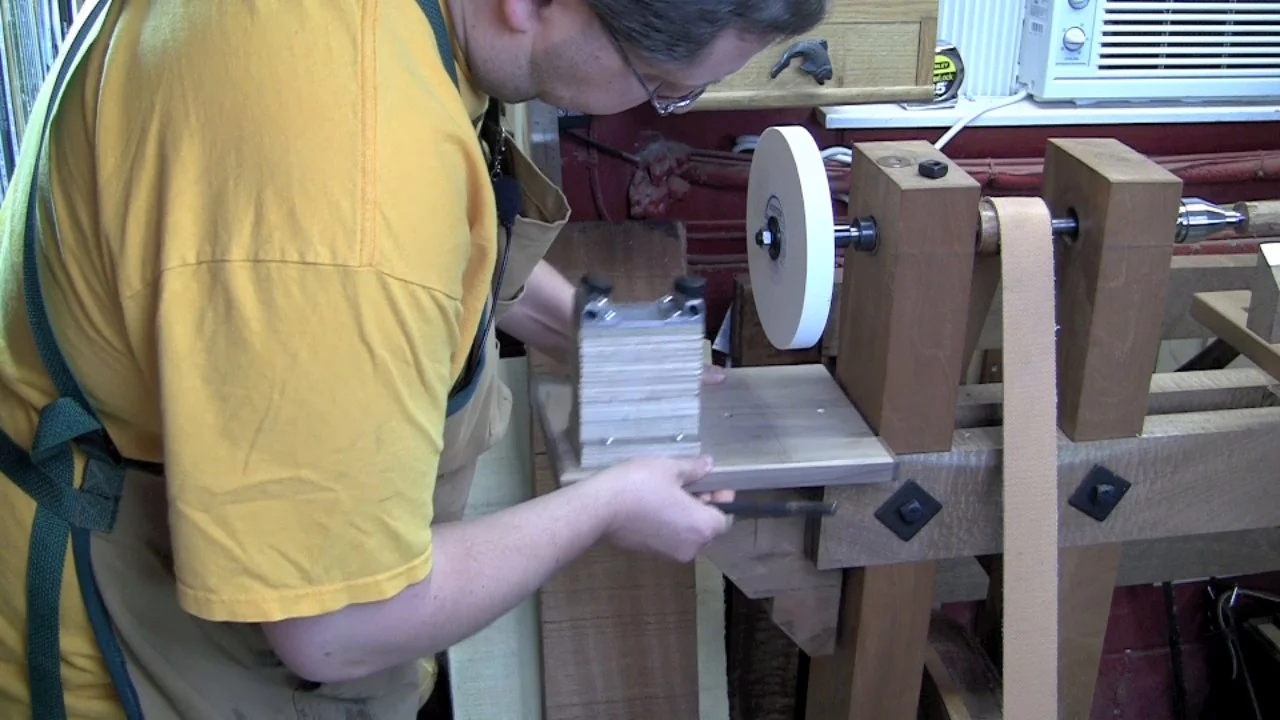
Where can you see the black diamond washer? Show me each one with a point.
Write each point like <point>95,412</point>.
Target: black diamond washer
<point>908,510</point>
<point>1099,493</point>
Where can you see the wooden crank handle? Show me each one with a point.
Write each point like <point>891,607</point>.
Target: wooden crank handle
<point>1262,217</point>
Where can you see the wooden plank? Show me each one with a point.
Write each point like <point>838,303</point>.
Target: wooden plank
<point>1145,562</point>
<point>619,629</point>
<point>766,428</point>
<point>496,673</point>
<point>896,303</point>
<point>713,662</point>
<point>1226,315</point>
<point>879,51</point>
<point>878,663</point>
<point>1167,464</point>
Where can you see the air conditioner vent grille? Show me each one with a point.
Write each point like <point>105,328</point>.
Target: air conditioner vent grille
<point>1190,38</point>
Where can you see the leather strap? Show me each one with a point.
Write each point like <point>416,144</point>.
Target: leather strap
<point>1030,478</point>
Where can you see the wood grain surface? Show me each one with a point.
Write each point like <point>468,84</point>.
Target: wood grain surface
<point>766,428</point>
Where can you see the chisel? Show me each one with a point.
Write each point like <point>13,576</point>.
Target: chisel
<point>792,508</point>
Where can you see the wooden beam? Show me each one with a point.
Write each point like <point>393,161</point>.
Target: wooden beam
<point>1112,283</point>
<point>1230,553</point>
<point>878,663</point>
<point>1167,466</point>
<point>765,557</point>
<point>1145,562</point>
<point>911,293</point>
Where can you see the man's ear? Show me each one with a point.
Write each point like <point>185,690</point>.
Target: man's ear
<point>522,16</point>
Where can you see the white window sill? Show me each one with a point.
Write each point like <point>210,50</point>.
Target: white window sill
<point>1030,113</point>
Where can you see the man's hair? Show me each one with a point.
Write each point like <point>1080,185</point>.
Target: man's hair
<point>673,32</point>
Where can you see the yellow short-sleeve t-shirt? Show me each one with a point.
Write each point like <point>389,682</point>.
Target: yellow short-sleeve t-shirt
<point>272,243</point>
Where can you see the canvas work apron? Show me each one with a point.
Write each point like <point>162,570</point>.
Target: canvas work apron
<point>163,662</point>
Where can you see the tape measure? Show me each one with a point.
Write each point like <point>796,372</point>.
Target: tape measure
<point>948,72</point>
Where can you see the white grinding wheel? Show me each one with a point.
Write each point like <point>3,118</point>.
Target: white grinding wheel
<point>792,281</point>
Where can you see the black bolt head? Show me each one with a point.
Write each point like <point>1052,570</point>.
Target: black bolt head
<point>597,285</point>
<point>911,511</point>
<point>932,169</point>
<point>691,286</point>
<point>1104,493</point>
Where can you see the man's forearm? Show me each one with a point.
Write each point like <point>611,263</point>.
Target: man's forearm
<point>543,318</point>
<point>482,568</point>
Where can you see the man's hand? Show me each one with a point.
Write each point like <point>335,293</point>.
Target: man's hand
<point>654,513</point>
<point>712,375</point>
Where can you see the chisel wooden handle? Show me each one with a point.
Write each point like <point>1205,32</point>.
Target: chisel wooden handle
<point>1261,217</point>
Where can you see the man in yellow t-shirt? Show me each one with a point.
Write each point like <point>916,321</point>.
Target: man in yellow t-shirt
<point>255,251</point>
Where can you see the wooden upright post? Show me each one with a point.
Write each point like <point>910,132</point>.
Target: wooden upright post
<point>904,308</point>
<point>903,319</point>
<point>1112,278</point>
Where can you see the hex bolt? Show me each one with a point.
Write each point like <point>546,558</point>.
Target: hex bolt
<point>597,286</point>
<point>911,511</point>
<point>1104,492</point>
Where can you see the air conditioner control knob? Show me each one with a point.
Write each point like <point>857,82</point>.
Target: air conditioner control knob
<point>1074,39</point>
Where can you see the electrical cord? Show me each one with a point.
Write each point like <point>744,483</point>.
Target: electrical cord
<point>1224,607</point>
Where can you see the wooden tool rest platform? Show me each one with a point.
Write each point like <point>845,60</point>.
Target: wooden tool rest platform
<point>913,456</point>
<point>767,428</point>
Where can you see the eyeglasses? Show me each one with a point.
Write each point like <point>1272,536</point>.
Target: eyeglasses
<point>663,106</point>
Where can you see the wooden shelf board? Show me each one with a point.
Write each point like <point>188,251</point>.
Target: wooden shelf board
<point>1225,314</point>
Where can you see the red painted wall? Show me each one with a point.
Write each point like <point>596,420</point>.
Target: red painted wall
<point>597,182</point>
<point>1135,680</point>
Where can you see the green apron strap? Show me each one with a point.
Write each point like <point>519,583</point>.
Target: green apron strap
<point>464,388</point>
<point>431,8</point>
<point>47,472</point>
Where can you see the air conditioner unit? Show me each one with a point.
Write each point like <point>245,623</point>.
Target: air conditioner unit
<point>1191,50</point>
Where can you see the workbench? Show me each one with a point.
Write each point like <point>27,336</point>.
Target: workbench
<point>1145,461</point>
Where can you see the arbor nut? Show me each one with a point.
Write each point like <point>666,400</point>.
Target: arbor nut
<point>932,169</point>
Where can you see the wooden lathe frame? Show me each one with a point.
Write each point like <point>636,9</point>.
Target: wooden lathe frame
<point>1196,449</point>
